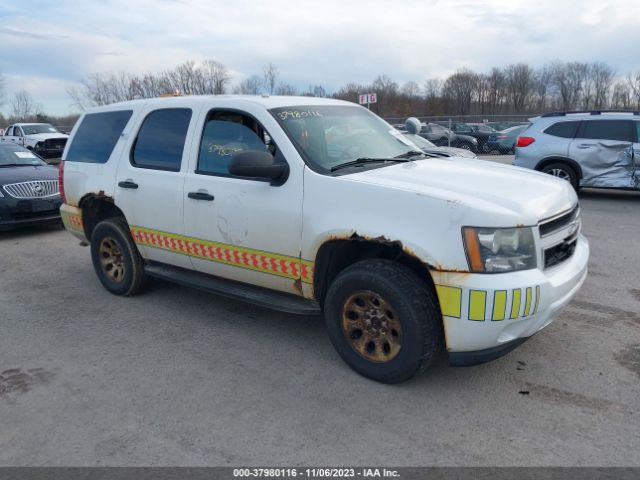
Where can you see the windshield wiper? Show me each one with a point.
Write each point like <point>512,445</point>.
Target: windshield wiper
<point>410,153</point>
<point>363,160</point>
<point>16,165</point>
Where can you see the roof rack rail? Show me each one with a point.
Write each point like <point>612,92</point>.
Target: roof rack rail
<point>588,112</point>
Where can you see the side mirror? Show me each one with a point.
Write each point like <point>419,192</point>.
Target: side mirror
<point>258,164</point>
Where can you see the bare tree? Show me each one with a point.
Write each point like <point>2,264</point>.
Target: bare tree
<point>23,105</point>
<point>217,77</point>
<point>387,91</point>
<point>497,89</point>
<point>542,84</point>
<point>460,89</point>
<point>621,96</point>
<point>519,79</point>
<point>569,79</point>
<point>285,89</point>
<point>249,86</point>
<point>602,76</point>
<point>270,74</point>
<point>633,80</point>
<point>411,89</point>
<point>315,91</point>
<point>2,92</point>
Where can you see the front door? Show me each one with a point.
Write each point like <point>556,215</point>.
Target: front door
<point>243,229</point>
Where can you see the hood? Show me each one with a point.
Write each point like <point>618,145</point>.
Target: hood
<point>450,152</point>
<point>46,136</point>
<point>28,173</point>
<point>500,195</point>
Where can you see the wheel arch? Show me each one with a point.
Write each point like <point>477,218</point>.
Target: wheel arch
<point>335,255</point>
<point>96,208</point>
<point>559,159</point>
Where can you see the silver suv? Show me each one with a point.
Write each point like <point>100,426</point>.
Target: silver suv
<point>588,148</point>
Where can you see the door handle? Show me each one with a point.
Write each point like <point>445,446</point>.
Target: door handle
<point>200,196</point>
<point>585,145</point>
<point>128,184</point>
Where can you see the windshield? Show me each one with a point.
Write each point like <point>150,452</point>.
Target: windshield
<point>419,141</point>
<point>331,135</point>
<point>15,155</point>
<point>39,128</point>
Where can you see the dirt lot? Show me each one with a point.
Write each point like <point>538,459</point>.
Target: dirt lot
<point>179,377</point>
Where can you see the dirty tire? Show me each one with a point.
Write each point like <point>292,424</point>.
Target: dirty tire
<point>564,171</point>
<point>115,232</point>
<point>414,304</point>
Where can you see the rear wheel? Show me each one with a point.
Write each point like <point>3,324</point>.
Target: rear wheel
<point>116,259</point>
<point>563,171</point>
<point>383,320</point>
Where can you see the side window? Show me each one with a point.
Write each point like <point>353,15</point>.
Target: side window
<point>97,135</point>
<point>17,131</point>
<point>637,124</point>
<point>607,130</point>
<point>563,129</point>
<point>160,141</point>
<point>9,132</point>
<point>226,133</point>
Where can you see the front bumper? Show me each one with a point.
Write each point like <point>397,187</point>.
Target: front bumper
<point>16,212</point>
<point>484,312</point>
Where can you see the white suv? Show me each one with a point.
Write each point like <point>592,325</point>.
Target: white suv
<point>313,205</point>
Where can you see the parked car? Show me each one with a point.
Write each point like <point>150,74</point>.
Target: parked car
<point>505,141</point>
<point>412,127</point>
<point>443,137</point>
<point>461,128</point>
<point>242,196</point>
<point>42,138</point>
<point>482,127</point>
<point>588,148</point>
<point>28,188</point>
<point>501,126</point>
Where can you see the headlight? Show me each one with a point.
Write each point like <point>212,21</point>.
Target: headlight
<point>496,250</point>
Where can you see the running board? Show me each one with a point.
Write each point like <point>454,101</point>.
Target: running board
<point>238,291</point>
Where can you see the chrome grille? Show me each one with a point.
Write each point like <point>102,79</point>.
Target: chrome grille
<point>559,222</point>
<point>33,189</point>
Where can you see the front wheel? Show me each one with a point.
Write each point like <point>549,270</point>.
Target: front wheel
<point>383,320</point>
<point>116,259</point>
<point>562,171</point>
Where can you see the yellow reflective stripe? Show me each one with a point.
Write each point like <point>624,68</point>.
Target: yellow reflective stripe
<point>527,304</point>
<point>535,309</point>
<point>499,305</point>
<point>515,304</point>
<point>241,257</point>
<point>450,300</point>
<point>477,304</point>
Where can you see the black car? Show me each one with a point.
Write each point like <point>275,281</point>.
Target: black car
<point>29,192</point>
<point>443,137</point>
<point>480,134</point>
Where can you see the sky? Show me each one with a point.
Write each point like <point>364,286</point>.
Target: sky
<point>48,46</point>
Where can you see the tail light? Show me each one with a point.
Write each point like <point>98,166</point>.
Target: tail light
<point>524,141</point>
<point>61,181</point>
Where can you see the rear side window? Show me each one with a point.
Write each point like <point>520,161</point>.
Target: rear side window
<point>161,138</point>
<point>96,136</point>
<point>608,130</point>
<point>563,129</point>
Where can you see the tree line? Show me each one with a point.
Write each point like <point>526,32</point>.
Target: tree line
<point>513,89</point>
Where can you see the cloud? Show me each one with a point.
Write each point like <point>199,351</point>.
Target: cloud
<point>329,43</point>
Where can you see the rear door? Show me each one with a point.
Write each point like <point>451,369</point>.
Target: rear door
<point>150,180</point>
<point>603,150</point>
